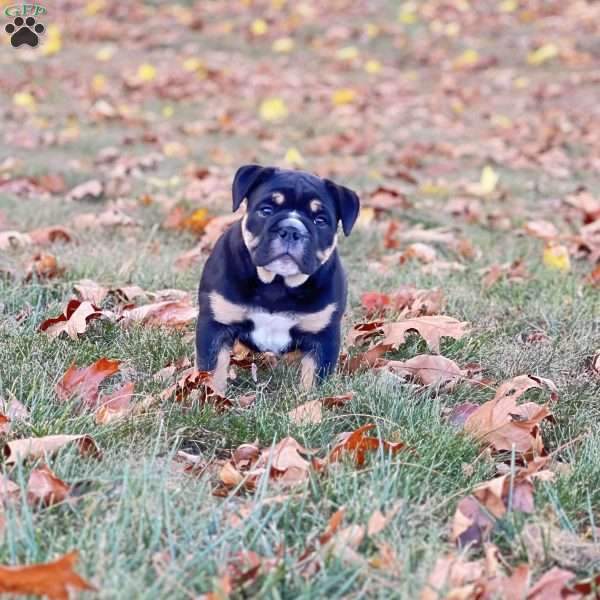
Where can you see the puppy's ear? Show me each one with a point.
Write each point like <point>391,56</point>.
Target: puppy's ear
<point>347,204</point>
<point>245,179</point>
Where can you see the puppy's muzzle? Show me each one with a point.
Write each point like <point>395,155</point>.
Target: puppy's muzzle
<point>291,230</point>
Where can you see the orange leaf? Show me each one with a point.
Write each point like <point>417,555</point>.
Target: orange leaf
<point>52,580</point>
<point>84,382</point>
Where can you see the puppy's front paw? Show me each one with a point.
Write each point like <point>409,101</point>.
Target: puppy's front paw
<point>308,369</point>
<point>219,374</point>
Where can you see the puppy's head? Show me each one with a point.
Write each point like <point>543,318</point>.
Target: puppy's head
<point>291,219</point>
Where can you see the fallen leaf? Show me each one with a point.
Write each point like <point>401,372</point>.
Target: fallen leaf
<point>115,406</point>
<point>471,524</point>
<point>43,266</point>
<point>502,423</point>
<point>430,328</point>
<point>556,257</point>
<point>42,446</point>
<point>90,190</point>
<point>44,487</point>
<point>74,320</point>
<point>173,314</point>
<point>426,369</point>
<point>83,383</point>
<point>52,580</point>
<point>358,444</point>
<point>45,236</point>
<point>307,413</point>
<point>90,291</point>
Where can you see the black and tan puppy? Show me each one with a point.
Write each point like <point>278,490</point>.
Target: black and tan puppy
<point>274,280</point>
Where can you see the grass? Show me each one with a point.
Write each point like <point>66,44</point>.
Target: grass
<point>145,529</point>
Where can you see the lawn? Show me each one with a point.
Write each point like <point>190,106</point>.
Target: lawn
<point>471,132</point>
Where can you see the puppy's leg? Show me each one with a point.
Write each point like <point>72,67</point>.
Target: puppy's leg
<point>213,347</point>
<point>321,353</point>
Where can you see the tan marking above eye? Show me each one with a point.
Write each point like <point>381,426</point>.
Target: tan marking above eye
<point>278,198</point>
<point>224,311</point>
<point>317,321</point>
<point>315,205</point>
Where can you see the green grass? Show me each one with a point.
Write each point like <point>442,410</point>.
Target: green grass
<point>134,506</point>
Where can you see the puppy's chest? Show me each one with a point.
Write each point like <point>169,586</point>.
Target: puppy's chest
<point>271,331</point>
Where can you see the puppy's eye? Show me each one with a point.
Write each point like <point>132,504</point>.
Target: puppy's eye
<point>320,221</point>
<point>265,211</point>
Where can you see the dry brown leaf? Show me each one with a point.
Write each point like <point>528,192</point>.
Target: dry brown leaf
<point>90,291</point>
<point>173,314</point>
<point>89,190</point>
<point>308,413</point>
<point>502,423</point>
<point>83,383</point>
<point>52,580</point>
<point>43,266</point>
<point>428,369</point>
<point>544,230</point>
<point>111,217</point>
<point>115,406</point>
<point>40,447</point>
<point>74,320</point>
<point>13,240</point>
<point>358,444</point>
<point>45,488</point>
<point>45,236</point>
<point>430,328</point>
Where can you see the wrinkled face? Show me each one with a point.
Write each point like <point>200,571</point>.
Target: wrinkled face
<point>290,225</point>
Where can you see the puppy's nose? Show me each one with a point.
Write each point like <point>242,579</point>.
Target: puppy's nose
<point>291,229</point>
<point>289,233</point>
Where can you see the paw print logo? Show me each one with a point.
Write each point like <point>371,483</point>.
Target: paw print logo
<point>24,32</point>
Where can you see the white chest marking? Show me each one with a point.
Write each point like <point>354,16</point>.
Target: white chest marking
<point>271,331</point>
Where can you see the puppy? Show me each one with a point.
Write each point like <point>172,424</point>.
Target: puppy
<point>274,280</point>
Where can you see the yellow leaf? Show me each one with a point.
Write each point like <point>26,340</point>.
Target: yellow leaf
<point>373,67</point>
<point>93,7</point>
<point>98,83</point>
<point>284,44</point>
<point>25,100</point>
<point>343,96</point>
<point>557,257</point>
<point>259,27</point>
<point>366,216</point>
<point>105,53</point>
<point>521,83</point>
<point>293,157</point>
<point>488,181</point>
<point>452,29</point>
<point>468,58</point>
<point>509,6</point>
<point>168,111</point>
<point>502,121</point>
<point>542,54</point>
<point>278,4</point>
<point>372,30</point>
<point>347,53</point>
<point>408,13</point>
<point>53,43</point>
<point>192,64</point>
<point>434,189</point>
<point>273,109</point>
<point>146,72</point>
<point>175,149</point>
